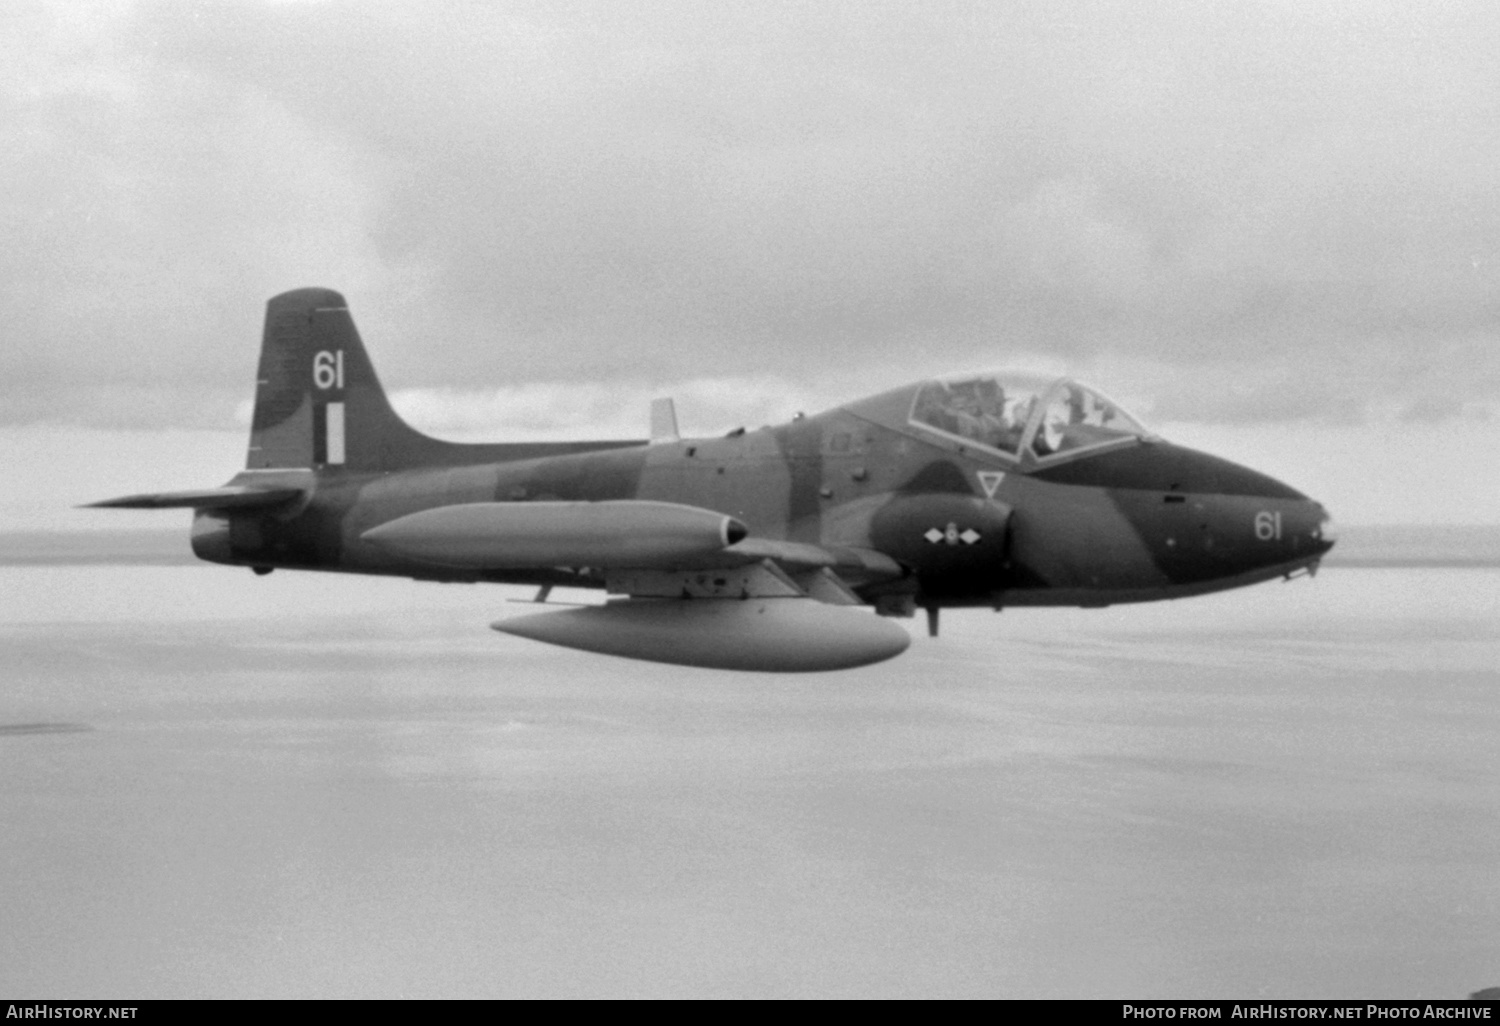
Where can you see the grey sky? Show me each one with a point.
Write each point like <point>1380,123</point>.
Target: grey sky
<point>1290,207</point>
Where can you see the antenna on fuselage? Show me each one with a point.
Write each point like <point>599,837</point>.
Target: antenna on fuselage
<point>663,421</point>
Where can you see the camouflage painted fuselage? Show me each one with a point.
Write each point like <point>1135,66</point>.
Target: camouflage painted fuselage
<point>959,524</point>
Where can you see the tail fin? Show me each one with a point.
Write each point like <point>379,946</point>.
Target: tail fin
<point>318,403</point>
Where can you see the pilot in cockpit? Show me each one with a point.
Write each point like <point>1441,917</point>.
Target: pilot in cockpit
<point>1077,411</point>
<point>995,413</point>
<point>934,410</point>
<point>968,413</point>
<point>990,402</point>
<point>1078,418</point>
<point>1013,419</point>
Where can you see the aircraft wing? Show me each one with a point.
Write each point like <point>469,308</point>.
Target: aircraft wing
<point>740,610</point>
<point>228,497</point>
<point>864,564</point>
<point>693,588</point>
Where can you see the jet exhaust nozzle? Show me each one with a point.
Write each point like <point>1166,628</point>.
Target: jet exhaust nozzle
<point>210,537</point>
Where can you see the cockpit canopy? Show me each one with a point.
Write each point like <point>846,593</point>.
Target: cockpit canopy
<point>1012,414</point>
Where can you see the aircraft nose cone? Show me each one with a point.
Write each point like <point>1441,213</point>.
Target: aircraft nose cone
<point>1301,528</point>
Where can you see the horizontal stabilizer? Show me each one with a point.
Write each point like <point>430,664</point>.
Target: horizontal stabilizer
<point>229,497</point>
<point>777,635</point>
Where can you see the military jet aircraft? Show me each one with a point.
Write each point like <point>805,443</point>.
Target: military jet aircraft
<point>754,551</point>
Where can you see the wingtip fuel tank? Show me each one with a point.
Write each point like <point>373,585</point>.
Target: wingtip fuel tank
<point>488,535</point>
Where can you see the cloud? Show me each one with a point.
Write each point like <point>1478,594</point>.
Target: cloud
<point>1296,197</point>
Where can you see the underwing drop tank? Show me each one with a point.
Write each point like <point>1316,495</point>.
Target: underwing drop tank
<point>782,635</point>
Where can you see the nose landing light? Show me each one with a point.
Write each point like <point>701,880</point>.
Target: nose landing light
<point>1327,531</point>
